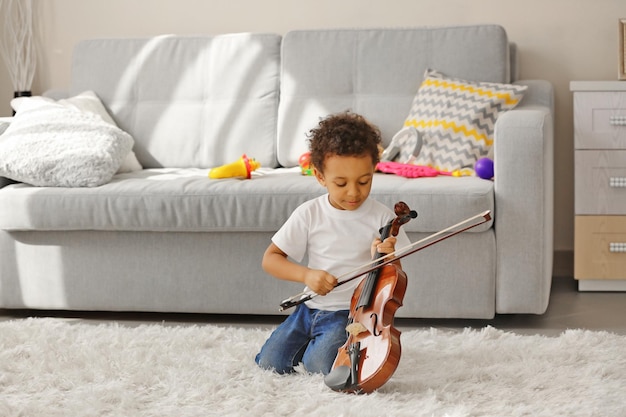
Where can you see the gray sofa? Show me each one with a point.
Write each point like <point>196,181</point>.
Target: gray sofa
<point>168,239</point>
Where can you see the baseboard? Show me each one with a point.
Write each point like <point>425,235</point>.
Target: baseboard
<point>604,285</point>
<point>563,264</point>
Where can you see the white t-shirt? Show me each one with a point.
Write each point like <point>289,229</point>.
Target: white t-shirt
<point>336,241</point>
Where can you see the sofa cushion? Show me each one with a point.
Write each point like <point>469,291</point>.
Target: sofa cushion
<point>199,101</point>
<point>456,119</point>
<point>87,101</point>
<point>186,200</point>
<point>52,145</point>
<point>375,72</point>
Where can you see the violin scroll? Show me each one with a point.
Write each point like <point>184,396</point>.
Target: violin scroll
<point>403,215</point>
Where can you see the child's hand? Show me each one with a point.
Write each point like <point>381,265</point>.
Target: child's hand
<point>384,247</point>
<point>321,282</point>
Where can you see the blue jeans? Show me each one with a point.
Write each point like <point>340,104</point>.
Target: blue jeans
<point>308,336</point>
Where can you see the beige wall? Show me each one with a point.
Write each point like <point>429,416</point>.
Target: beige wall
<point>558,40</point>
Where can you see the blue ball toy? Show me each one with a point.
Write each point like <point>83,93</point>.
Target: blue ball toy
<point>484,168</point>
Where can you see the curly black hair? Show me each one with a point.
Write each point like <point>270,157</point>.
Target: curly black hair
<point>343,134</point>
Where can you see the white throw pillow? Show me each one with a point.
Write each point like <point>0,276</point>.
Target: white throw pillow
<point>87,101</point>
<point>57,146</point>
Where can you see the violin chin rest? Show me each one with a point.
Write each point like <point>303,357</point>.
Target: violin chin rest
<point>338,379</point>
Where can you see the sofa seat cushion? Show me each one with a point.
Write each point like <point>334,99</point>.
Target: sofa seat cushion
<point>187,200</point>
<point>439,201</point>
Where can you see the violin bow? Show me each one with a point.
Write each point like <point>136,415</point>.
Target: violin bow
<point>394,256</point>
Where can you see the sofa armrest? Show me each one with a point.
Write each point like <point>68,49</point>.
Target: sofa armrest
<point>540,93</point>
<point>524,193</point>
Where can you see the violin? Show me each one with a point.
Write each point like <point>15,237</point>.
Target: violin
<point>372,351</point>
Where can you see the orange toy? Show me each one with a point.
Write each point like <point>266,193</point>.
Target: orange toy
<point>305,163</point>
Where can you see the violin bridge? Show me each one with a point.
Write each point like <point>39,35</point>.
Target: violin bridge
<point>354,329</point>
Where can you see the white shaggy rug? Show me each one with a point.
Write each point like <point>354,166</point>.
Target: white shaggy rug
<point>52,367</point>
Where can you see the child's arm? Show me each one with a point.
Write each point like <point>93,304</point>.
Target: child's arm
<point>385,247</point>
<point>275,263</point>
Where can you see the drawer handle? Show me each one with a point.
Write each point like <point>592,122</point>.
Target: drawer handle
<point>617,182</point>
<point>617,120</point>
<point>617,247</point>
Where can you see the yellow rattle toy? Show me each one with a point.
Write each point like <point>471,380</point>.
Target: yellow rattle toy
<point>242,167</point>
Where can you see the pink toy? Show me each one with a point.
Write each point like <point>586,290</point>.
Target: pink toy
<point>409,170</point>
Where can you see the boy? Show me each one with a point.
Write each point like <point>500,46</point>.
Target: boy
<point>338,233</point>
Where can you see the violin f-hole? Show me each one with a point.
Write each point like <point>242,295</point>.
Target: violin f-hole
<point>375,330</point>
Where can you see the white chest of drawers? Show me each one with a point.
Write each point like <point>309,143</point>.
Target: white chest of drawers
<point>600,185</point>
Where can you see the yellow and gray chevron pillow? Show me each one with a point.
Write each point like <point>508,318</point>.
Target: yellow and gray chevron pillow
<point>456,119</point>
